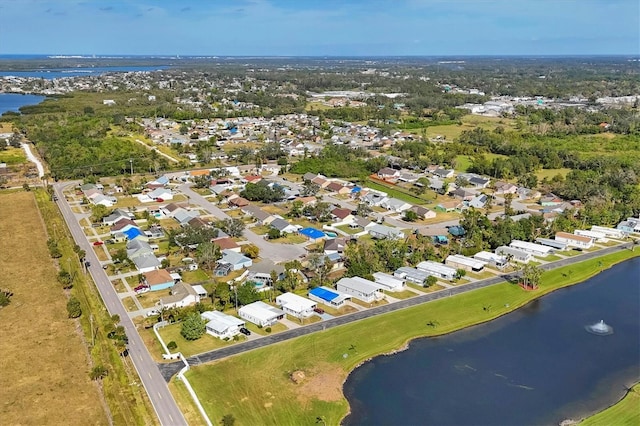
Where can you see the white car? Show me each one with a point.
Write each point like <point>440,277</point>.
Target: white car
<point>152,313</point>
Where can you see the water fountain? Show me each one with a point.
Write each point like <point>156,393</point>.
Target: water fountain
<point>599,328</point>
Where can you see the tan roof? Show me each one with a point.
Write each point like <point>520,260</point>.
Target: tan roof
<point>225,243</point>
<point>160,276</point>
<point>574,237</point>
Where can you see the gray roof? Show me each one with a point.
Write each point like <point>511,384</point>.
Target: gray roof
<point>233,258</point>
<point>279,224</point>
<point>385,231</point>
<point>184,216</point>
<point>146,260</point>
<point>265,267</point>
<point>359,284</point>
<point>178,292</point>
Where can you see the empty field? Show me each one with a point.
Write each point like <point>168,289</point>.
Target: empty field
<point>44,363</point>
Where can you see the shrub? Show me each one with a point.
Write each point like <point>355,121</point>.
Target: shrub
<point>172,345</point>
<point>268,329</point>
<point>73,308</point>
<point>98,372</point>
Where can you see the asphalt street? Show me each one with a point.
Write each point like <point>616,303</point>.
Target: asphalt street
<point>276,252</point>
<point>153,381</point>
<point>169,369</point>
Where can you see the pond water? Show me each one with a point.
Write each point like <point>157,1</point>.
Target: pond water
<point>537,365</point>
<point>12,101</point>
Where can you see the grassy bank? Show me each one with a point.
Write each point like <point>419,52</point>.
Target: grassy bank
<point>127,401</point>
<point>256,386</point>
<point>625,413</point>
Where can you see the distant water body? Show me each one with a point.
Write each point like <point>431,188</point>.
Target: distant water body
<point>12,101</point>
<point>50,74</point>
<point>535,366</point>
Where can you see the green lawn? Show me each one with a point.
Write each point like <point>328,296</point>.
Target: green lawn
<point>349,230</point>
<point>625,412</point>
<point>192,347</point>
<point>395,193</point>
<point>13,156</point>
<point>550,173</point>
<point>196,276</point>
<point>265,394</point>
<point>405,294</point>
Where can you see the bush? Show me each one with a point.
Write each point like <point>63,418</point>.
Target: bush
<point>98,372</point>
<point>172,345</point>
<point>73,308</point>
<point>268,329</point>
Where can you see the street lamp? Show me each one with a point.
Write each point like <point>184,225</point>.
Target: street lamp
<point>131,164</point>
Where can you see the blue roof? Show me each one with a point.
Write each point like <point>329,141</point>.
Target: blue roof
<point>356,189</point>
<point>323,294</point>
<point>132,233</point>
<point>312,233</point>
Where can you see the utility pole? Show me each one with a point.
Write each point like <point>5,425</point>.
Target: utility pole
<point>131,163</point>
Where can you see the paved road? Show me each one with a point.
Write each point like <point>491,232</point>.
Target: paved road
<point>276,252</point>
<point>153,382</point>
<point>169,369</point>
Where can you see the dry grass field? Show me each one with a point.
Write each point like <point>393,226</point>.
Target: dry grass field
<point>44,362</point>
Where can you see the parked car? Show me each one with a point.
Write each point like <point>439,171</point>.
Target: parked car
<point>318,310</point>
<point>142,289</point>
<point>98,243</point>
<point>109,241</point>
<point>152,313</point>
<point>245,331</point>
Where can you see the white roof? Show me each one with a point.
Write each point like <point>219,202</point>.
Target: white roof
<point>407,271</point>
<point>359,284</point>
<point>439,268</point>
<point>295,302</point>
<point>592,234</point>
<point>502,250</point>
<point>261,311</point>
<point>527,246</point>
<point>198,288</point>
<point>220,322</point>
<point>490,257</point>
<point>386,280</point>
<point>468,261</point>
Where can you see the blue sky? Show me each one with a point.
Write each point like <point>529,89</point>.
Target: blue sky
<point>320,27</point>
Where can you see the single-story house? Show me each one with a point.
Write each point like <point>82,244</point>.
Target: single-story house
<point>413,275</point>
<point>133,232</point>
<point>533,248</point>
<point>261,216</point>
<point>115,216</point>
<point>597,236</point>
<point>360,288</point>
<point>183,216</point>
<point>502,188</point>
<point>395,205</point>
<point>261,272</point>
<point>556,244</point>
<point>338,188</point>
<point>295,305</point>
<point>573,240</point>
<point>443,173</point>
<point>158,194</point>
<point>447,206</point>
<point>261,314</point>
<point>437,269</point>
<point>121,225</point>
<point>328,296</point>
<point>491,259</point>
<point>550,200</point>
<point>470,264</point>
<point>388,282</point>
<point>227,243</point>
<point>221,325</point>
<point>381,231</point>
<point>181,295</point>
<point>334,245</point>
<point>609,232</point>
<point>463,194</point>
<point>479,201</point>
<point>514,254</point>
<point>423,212</point>
<point>479,182</point>
<point>387,173</point>
<point>159,279</point>
<point>238,202</point>
<point>342,215</point>
<point>236,260</point>
<point>283,226</point>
